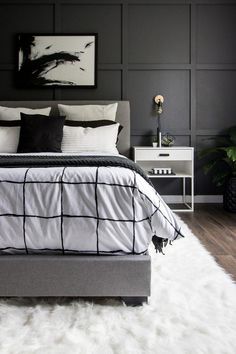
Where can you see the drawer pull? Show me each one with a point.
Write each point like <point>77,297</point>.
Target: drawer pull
<point>164,154</point>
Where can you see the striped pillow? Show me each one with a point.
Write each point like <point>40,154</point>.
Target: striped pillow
<point>79,139</point>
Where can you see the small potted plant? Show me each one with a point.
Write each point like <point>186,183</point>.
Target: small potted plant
<point>167,140</point>
<point>154,141</point>
<point>222,166</point>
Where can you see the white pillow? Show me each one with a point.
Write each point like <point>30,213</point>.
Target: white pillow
<point>9,139</point>
<point>9,113</point>
<point>89,112</point>
<point>78,139</point>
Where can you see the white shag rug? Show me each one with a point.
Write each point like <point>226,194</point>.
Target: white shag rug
<point>192,310</point>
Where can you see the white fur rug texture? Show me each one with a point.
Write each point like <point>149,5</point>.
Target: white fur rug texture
<point>192,310</point>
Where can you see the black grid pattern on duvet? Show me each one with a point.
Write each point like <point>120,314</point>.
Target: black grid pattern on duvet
<point>98,218</point>
<point>61,182</point>
<point>24,216</point>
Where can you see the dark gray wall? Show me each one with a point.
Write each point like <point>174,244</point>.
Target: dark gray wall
<point>184,50</point>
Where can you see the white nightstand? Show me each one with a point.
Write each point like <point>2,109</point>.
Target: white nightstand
<point>179,159</point>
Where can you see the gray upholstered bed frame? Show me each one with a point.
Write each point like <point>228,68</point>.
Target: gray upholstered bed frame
<point>127,277</point>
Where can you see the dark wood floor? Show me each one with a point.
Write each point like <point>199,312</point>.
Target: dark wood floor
<point>216,229</point>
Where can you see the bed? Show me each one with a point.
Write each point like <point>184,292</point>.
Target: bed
<point>96,273</point>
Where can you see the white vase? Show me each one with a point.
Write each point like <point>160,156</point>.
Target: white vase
<point>154,145</point>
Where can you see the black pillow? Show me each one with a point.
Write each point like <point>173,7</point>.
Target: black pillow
<point>40,133</point>
<point>92,123</point>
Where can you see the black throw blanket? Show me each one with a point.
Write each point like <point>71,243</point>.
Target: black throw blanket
<point>70,160</point>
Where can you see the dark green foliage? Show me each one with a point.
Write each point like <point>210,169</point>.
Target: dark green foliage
<point>222,162</point>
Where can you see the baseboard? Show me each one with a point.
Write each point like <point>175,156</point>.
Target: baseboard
<point>197,199</point>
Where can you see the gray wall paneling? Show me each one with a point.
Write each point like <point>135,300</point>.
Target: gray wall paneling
<point>184,50</point>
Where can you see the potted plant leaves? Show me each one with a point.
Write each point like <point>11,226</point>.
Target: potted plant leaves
<point>154,141</point>
<point>167,140</point>
<point>222,166</point>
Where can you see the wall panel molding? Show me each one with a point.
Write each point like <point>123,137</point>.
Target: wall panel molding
<point>126,2</point>
<point>150,43</point>
<point>192,93</point>
<point>124,51</point>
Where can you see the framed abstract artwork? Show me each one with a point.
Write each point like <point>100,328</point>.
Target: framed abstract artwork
<point>57,60</point>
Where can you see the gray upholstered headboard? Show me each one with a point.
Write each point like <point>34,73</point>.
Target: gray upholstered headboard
<point>122,115</point>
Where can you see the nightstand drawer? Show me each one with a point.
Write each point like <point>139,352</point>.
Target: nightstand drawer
<point>163,154</point>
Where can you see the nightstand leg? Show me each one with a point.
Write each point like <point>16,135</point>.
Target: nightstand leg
<point>184,192</point>
<point>192,193</point>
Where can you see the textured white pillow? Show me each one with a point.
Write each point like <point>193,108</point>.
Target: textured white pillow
<point>78,139</point>
<point>9,139</point>
<point>89,112</point>
<point>9,113</point>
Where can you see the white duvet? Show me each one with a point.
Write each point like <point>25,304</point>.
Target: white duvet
<point>91,210</point>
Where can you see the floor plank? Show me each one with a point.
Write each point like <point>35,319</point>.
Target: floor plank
<point>228,263</point>
<point>216,229</point>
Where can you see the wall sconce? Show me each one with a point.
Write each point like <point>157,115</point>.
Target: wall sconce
<point>159,99</point>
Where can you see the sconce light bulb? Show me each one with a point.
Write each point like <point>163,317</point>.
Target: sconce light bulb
<point>158,99</point>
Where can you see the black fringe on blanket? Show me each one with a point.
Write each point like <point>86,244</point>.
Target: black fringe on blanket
<point>160,243</point>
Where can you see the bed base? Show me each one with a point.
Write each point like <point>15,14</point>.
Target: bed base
<point>126,277</point>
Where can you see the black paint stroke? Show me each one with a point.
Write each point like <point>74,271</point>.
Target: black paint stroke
<point>33,71</point>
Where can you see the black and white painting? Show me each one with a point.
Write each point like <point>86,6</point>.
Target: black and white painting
<point>57,60</point>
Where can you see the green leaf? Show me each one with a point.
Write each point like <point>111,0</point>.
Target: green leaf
<point>231,152</point>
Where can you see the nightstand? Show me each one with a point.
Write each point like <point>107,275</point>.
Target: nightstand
<point>179,159</point>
